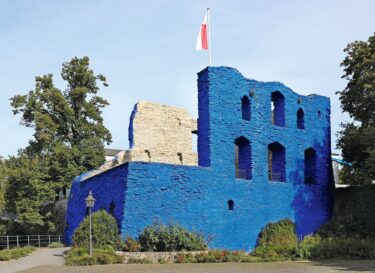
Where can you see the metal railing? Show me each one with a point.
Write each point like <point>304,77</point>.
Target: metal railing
<point>278,177</point>
<point>241,174</point>
<point>11,241</point>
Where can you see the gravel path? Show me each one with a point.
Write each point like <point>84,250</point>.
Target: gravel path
<point>286,267</point>
<point>42,256</point>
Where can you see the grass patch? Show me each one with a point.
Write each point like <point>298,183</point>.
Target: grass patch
<point>55,245</point>
<point>15,253</point>
<point>80,256</point>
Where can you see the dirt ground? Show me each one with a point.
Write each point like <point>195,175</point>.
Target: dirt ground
<point>280,267</point>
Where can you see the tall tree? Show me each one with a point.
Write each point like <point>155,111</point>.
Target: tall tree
<point>69,137</point>
<point>357,139</point>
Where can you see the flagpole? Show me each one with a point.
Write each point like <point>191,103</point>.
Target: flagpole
<point>209,34</point>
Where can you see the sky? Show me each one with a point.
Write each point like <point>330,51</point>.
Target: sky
<point>146,50</point>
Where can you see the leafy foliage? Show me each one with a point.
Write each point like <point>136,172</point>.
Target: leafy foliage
<point>307,247</point>
<point>104,231</point>
<point>277,240</point>
<point>357,139</point>
<point>159,237</point>
<point>347,248</point>
<point>68,139</point>
<point>354,216</point>
<point>131,245</point>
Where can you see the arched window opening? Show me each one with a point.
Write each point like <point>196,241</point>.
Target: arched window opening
<point>276,162</point>
<point>277,109</point>
<point>230,205</point>
<point>310,166</point>
<point>243,158</point>
<point>246,108</point>
<point>300,119</point>
<point>112,207</point>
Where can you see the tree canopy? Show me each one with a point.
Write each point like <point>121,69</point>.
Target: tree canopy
<point>69,137</point>
<point>357,139</point>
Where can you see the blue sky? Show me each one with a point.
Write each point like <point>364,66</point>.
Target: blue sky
<point>146,49</point>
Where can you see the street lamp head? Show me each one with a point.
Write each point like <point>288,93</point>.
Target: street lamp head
<point>90,200</point>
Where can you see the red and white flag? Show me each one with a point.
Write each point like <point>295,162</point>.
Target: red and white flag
<point>202,40</point>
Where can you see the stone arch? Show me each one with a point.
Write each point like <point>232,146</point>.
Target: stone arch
<point>278,109</point>
<point>243,164</point>
<point>300,119</point>
<point>276,162</point>
<point>246,108</point>
<point>310,166</point>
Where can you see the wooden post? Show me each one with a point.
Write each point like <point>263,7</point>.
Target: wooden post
<point>7,242</point>
<point>18,243</point>
<point>28,240</point>
<point>39,240</point>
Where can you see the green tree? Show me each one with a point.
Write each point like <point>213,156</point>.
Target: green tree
<point>357,139</point>
<point>69,137</point>
<point>104,231</point>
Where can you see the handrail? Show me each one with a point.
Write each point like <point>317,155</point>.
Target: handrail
<point>40,240</point>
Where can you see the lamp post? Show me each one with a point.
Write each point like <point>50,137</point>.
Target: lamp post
<point>90,201</point>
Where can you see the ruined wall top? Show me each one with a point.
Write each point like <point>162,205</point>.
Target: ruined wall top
<point>158,127</point>
<point>157,133</point>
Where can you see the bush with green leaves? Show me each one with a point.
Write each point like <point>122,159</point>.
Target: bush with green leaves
<point>172,237</point>
<point>80,256</point>
<point>349,248</point>
<point>131,245</point>
<point>354,216</point>
<point>104,231</point>
<point>277,241</point>
<point>307,247</point>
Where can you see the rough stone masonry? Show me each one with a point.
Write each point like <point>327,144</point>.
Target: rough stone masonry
<point>263,155</point>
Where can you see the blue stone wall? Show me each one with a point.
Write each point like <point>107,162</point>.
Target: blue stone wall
<point>197,197</point>
<point>107,188</point>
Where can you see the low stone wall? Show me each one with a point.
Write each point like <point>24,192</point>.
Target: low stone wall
<point>152,257</point>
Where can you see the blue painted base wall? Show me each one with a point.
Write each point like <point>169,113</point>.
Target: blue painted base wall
<point>197,197</point>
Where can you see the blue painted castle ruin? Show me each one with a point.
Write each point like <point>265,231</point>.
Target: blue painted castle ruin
<point>263,155</point>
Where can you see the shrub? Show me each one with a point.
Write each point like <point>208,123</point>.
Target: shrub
<point>80,256</point>
<point>307,247</point>
<point>55,245</point>
<point>349,248</point>
<point>159,237</point>
<point>131,245</point>
<point>104,231</point>
<point>277,241</point>
<point>354,216</point>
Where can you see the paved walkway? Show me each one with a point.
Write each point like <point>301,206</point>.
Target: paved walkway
<point>286,267</point>
<point>42,256</point>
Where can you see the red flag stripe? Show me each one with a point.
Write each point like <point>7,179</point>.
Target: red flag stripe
<point>204,36</point>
